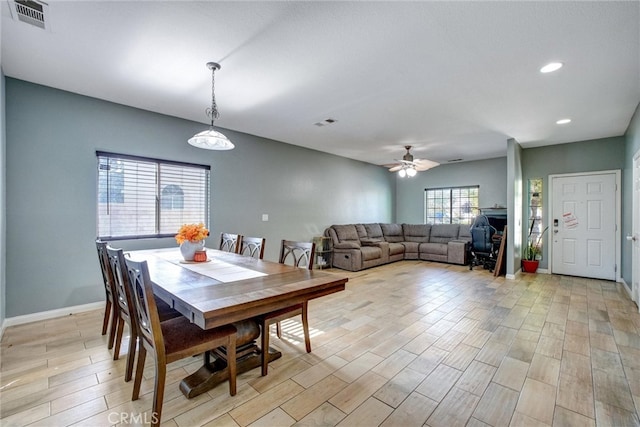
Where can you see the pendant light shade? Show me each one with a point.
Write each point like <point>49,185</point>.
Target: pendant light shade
<point>211,139</point>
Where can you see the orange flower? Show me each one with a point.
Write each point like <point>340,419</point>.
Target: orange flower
<point>192,233</point>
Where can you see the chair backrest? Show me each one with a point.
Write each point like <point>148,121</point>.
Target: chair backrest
<point>107,277</point>
<point>299,254</point>
<point>230,242</point>
<point>121,282</point>
<point>482,234</point>
<point>146,311</point>
<point>252,246</point>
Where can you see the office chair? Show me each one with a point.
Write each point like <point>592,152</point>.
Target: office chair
<point>483,249</point>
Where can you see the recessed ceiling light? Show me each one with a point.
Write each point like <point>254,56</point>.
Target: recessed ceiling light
<point>563,121</point>
<point>550,67</point>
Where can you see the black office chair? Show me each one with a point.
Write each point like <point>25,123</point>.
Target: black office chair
<point>483,249</point>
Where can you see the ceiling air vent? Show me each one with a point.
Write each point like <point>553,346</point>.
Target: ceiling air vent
<point>30,12</point>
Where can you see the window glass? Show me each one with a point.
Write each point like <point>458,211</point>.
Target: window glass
<point>141,197</point>
<point>456,205</point>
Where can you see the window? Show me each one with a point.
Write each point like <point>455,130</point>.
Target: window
<point>139,197</point>
<point>456,205</point>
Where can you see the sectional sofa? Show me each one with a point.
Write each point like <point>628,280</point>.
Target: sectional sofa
<point>360,246</point>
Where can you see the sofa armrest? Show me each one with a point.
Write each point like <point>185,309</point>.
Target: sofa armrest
<point>457,252</point>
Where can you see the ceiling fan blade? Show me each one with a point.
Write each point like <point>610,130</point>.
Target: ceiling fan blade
<point>395,168</point>
<point>424,164</point>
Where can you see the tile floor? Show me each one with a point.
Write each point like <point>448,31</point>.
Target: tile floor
<point>407,344</point>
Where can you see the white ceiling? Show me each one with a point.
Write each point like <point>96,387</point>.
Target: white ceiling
<point>453,79</point>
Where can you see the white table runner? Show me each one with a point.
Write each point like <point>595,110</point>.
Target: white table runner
<point>214,268</point>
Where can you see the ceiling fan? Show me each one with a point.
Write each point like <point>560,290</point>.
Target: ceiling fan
<point>409,166</point>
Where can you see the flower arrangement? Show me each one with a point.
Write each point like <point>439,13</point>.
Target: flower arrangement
<point>191,233</point>
<point>532,250</point>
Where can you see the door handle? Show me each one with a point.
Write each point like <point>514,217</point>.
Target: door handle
<point>631,238</point>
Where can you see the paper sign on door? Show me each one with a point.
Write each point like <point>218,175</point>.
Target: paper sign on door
<point>570,220</point>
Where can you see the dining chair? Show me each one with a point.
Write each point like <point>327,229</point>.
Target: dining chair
<point>230,242</point>
<point>170,340</point>
<point>252,246</point>
<point>111,307</point>
<point>124,301</point>
<point>299,254</point>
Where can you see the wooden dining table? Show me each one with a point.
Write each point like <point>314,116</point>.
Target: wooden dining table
<point>231,288</point>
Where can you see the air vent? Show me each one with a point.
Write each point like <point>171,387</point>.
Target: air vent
<point>325,122</point>
<point>30,12</point>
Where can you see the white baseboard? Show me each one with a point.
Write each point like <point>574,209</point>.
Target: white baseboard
<point>51,314</point>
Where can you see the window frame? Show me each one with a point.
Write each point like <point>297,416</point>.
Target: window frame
<point>451,203</point>
<point>204,187</point>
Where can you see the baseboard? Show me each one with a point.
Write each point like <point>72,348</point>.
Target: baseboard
<point>51,314</point>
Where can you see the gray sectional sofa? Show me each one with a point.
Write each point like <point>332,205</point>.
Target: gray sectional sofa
<point>360,246</point>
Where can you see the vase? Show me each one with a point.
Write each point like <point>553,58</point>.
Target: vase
<point>189,248</point>
<point>529,266</point>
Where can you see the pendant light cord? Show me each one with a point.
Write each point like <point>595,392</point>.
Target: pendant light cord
<point>213,111</point>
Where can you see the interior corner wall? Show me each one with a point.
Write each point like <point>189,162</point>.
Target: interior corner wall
<point>51,140</point>
<point>3,227</point>
<point>583,156</point>
<point>514,207</point>
<point>632,146</point>
<point>490,175</point>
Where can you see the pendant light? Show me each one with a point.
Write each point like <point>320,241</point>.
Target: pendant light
<point>211,139</point>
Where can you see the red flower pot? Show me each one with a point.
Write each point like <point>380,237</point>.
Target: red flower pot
<point>530,266</point>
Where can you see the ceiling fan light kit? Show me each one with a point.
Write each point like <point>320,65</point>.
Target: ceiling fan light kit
<point>410,167</point>
<point>211,139</point>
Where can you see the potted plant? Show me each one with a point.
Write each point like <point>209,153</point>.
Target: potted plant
<point>532,251</point>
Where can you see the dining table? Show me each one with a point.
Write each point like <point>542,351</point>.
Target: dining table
<point>229,288</point>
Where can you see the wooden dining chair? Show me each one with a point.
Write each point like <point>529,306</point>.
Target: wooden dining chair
<point>171,340</point>
<point>230,242</point>
<point>299,254</point>
<point>252,246</point>
<point>124,299</point>
<point>111,307</point>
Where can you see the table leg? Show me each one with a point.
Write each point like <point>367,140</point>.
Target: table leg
<point>215,372</point>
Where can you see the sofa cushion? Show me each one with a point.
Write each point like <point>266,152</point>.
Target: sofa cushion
<point>370,242</point>
<point>346,233</point>
<point>347,245</point>
<point>442,233</point>
<point>434,248</point>
<point>373,231</point>
<point>392,232</point>
<point>464,233</point>
<point>362,232</point>
<point>396,249</point>
<point>370,253</point>
<point>416,232</point>
<point>411,247</point>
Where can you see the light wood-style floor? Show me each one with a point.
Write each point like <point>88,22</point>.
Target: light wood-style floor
<point>408,344</point>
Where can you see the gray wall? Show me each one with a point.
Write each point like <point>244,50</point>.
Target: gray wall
<point>3,228</point>
<point>632,146</point>
<point>51,139</point>
<point>584,156</point>
<point>490,174</point>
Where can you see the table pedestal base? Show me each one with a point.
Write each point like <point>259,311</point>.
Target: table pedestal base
<point>212,373</point>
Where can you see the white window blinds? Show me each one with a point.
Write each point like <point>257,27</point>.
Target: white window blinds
<point>140,197</point>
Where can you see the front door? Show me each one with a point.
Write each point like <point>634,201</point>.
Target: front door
<point>583,229</point>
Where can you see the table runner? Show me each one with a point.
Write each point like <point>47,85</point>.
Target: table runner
<point>214,268</point>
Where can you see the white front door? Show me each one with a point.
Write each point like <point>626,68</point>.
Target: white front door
<point>583,229</point>
<point>635,237</point>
